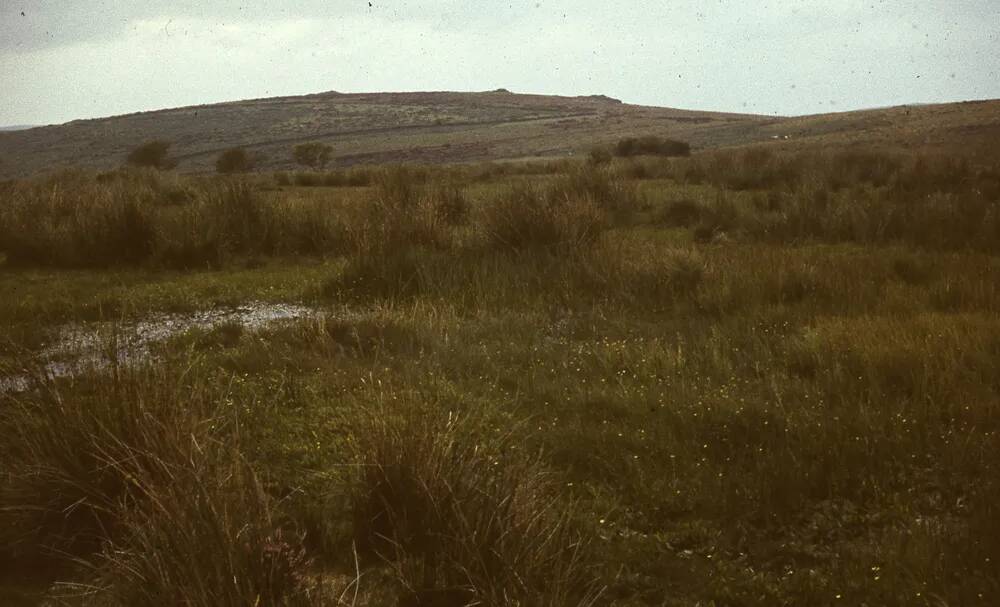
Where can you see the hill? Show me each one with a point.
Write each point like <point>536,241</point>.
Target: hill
<point>968,129</point>
<point>438,127</point>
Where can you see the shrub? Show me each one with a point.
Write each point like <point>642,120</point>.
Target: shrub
<point>152,154</point>
<point>234,160</point>
<point>651,146</point>
<point>314,155</point>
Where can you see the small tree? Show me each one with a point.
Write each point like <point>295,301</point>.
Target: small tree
<point>314,155</point>
<point>234,160</point>
<point>152,154</point>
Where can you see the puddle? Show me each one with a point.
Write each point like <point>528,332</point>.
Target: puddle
<point>87,346</point>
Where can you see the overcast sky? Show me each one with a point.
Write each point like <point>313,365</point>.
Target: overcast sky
<point>66,59</point>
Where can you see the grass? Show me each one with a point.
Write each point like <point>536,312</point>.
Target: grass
<point>747,381</point>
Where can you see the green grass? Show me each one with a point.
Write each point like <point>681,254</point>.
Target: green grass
<point>718,395</point>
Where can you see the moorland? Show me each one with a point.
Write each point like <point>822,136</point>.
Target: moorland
<point>761,374</point>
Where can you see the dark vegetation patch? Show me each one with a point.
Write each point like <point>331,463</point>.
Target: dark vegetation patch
<point>651,146</point>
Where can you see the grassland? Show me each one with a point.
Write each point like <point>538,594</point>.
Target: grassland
<point>365,128</point>
<point>749,377</point>
<point>448,127</point>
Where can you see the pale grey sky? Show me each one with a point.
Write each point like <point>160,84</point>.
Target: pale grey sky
<point>66,59</point>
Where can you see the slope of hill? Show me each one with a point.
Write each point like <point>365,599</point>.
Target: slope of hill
<point>457,127</point>
<point>367,128</point>
<point>969,129</point>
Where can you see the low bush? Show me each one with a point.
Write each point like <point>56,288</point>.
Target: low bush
<point>152,154</point>
<point>234,160</point>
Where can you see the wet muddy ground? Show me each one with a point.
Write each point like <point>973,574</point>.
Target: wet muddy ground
<point>86,346</point>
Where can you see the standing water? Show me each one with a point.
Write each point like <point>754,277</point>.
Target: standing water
<point>85,346</point>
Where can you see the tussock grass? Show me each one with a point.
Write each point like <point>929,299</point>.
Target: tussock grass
<point>459,511</point>
<point>206,534</point>
<point>65,476</point>
<point>136,475</point>
<point>558,220</point>
<point>858,196</point>
<point>75,220</point>
<point>758,377</point>
<point>394,225</point>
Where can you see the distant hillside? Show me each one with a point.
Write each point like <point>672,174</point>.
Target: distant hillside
<point>969,129</point>
<point>457,127</point>
<point>368,128</point>
<point>16,127</point>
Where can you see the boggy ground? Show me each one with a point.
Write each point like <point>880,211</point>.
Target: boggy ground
<point>741,378</point>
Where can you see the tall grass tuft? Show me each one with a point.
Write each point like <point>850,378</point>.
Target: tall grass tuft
<point>69,220</point>
<point>457,510</point>
<point>557,219</point>
<point>392,228</point>
<point>203,535</point>
<point>65,481</point>
<point>136,474</point>
<point>77,220</point>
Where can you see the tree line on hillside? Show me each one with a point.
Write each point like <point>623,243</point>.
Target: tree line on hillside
<point>315,155</point>
<point>155,154</point>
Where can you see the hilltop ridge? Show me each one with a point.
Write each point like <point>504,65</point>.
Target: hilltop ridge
<point>442,127</point>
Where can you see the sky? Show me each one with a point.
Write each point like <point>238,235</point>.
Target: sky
<point>66,59</point>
